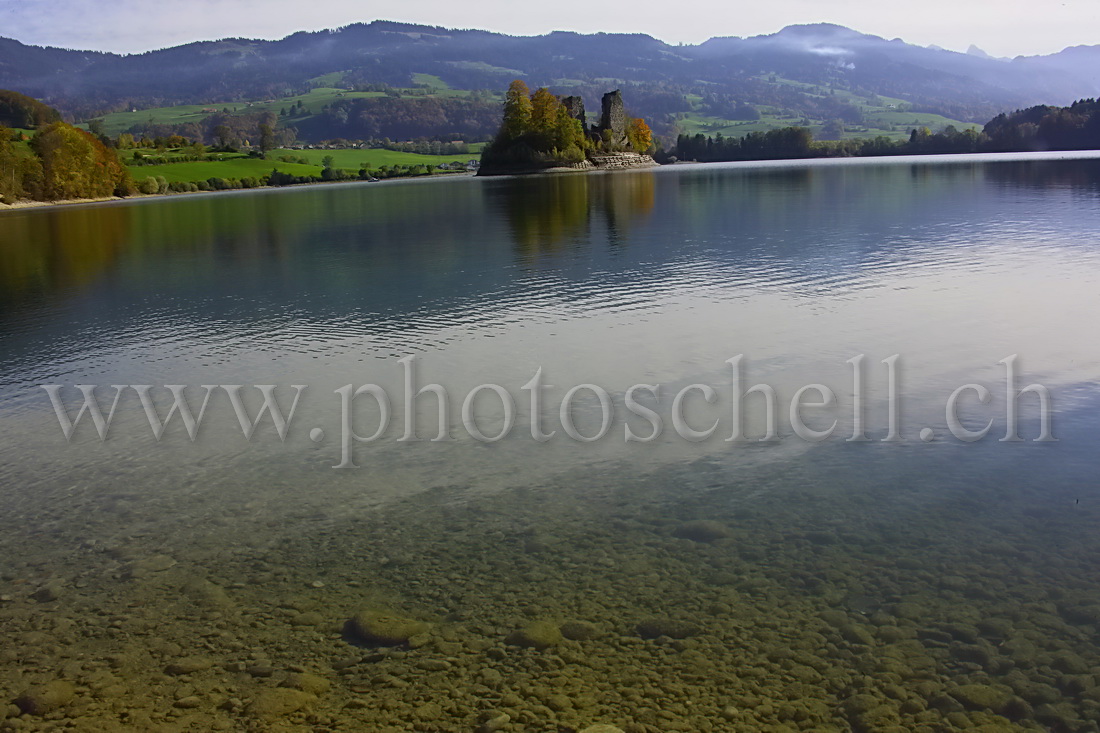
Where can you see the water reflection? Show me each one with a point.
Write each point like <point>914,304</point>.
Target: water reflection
<point>888,559</point>
<point>548,215</point>
<point>44,255</point>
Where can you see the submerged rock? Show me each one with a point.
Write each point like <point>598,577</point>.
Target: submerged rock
<point>386,628</point>
<point>44,699</point>
<point>309,618</point>
<point>306,682</point>
<point>279,701</point>
<point>979,697</point>
<point>579,630</point>
<point>654,627</point>
<point>47,593</point>
<point>494,722</point>
<point>205,593</point>
<point>536,635</point>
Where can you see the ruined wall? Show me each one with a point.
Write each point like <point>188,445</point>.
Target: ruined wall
<point>575,106</point>
<point>613,116</point>
<point>613,161</point>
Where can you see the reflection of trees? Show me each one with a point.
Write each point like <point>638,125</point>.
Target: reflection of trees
<point>59,250</point>
<point>1082,175</point>
<point>623,199</point>
<point>545,213</point>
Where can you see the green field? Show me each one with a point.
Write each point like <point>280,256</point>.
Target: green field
<point>353,159</point>
<point>242,166</point>
<point>238,168</point>
<point>430,80</point>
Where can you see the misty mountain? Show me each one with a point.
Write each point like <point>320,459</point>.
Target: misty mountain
<point>967,86</point>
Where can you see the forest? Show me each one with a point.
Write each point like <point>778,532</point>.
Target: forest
<point>1034,129</point>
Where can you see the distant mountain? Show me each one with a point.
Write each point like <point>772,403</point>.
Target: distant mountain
<point>732,71</point>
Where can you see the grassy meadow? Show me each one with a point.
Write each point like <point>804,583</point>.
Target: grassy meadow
<point>240,166</point>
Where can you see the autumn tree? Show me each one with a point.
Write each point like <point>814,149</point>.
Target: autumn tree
<point>639,135</point>
<point>544,112</point>
<point>517,110</point>
<point>77,165</point>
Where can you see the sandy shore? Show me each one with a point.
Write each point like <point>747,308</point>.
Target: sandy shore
<point>40,204</point>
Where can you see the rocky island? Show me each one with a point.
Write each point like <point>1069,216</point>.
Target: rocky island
<point>544,133</point>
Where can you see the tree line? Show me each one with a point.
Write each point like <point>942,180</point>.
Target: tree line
<point>60,162</point>
<point>1034,129</point>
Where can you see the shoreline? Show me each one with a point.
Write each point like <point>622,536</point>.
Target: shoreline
<point>558,170</point>
<point>595,164</point>
<point>27,204</point>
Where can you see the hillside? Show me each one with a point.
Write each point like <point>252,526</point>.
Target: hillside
<point>822,73</point>
<point>20,111</point>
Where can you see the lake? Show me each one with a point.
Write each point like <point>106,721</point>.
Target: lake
<point>699,448</point>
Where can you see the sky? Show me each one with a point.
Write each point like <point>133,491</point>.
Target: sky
<point>1000,27</point>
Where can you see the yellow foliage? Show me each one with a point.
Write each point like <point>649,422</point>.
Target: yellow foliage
<point>639,134</point>
<point>77,165</point>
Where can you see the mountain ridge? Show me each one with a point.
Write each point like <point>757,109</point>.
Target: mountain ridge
<point>964,86</point>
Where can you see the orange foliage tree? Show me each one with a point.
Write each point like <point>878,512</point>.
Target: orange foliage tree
<point>639,134</point>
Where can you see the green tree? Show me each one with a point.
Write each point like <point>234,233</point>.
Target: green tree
<point>833,130</point>
<point>223,135</point>
<point>96,128</point>
<point>267,139</point>
<point>568,132</point>
<point>20,174</point>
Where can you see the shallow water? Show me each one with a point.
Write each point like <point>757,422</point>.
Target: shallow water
<point>867,585</point>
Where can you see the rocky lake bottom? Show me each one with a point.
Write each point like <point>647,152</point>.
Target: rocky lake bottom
<point>804,598</point>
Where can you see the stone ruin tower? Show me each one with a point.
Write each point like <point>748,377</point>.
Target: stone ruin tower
<point>613,117</point>
<point>575,107</point>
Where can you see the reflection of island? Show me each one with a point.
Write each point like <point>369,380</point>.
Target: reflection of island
<point>546,214</point>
